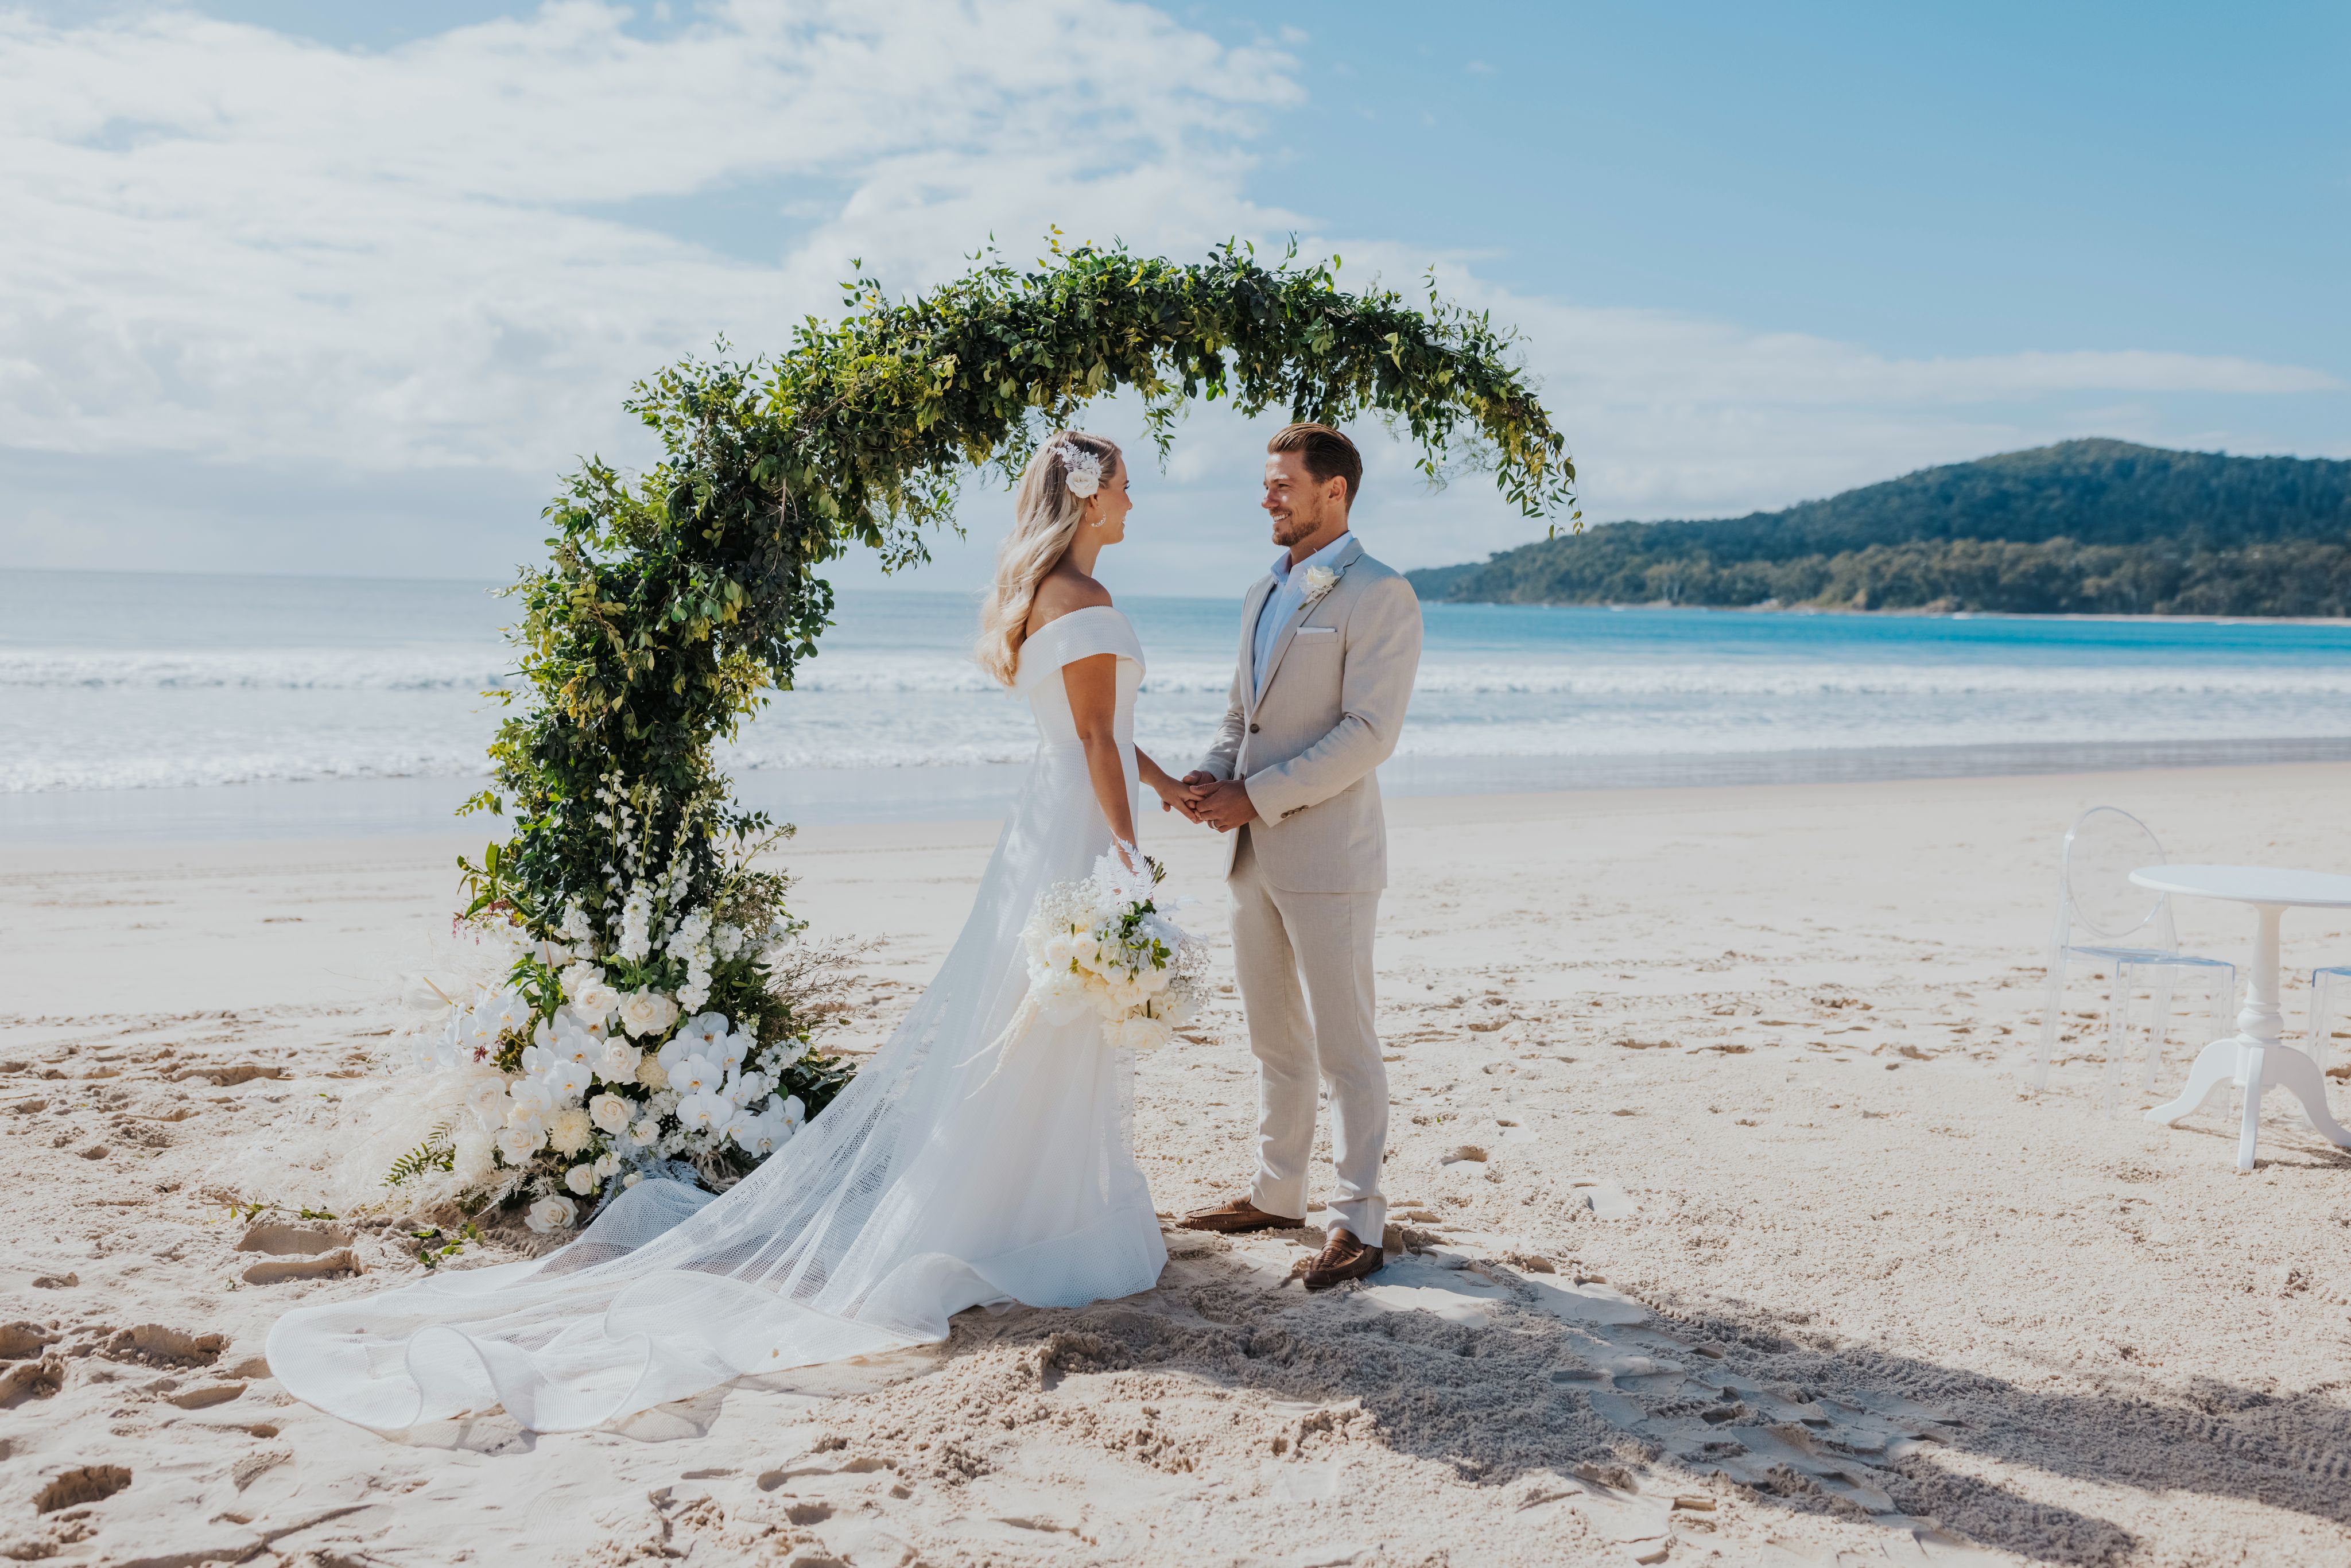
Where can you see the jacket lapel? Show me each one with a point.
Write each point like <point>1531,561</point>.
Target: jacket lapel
<point>1345,559</point>
<point>1252,606</point>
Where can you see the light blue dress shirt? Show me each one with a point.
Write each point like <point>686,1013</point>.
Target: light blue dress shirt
<point>1288,591</point>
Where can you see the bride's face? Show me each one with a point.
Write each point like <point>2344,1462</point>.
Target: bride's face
<point>1110,506</point>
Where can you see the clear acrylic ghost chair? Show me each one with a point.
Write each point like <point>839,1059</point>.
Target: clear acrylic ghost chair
<point>2108,922</point>
<point>2323,983</point>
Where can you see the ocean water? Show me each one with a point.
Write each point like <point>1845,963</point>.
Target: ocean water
<point>149,702</point>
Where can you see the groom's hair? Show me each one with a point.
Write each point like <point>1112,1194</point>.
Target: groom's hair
<point>1327,455</point>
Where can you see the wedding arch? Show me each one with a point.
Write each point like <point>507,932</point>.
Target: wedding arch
<point>673,600</point>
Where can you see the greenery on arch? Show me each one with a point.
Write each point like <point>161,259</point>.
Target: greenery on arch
<point>673,600</point>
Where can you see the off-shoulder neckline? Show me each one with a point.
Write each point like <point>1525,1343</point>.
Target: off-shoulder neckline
<point>1072,615</point>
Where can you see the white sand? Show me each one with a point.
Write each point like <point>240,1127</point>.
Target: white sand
<point>1764,1224</point>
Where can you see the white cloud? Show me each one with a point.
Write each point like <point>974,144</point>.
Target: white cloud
<point>235,243</point>
<point>373,273</point>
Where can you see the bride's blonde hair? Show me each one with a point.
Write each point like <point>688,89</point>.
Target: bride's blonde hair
<point>1045,517</point>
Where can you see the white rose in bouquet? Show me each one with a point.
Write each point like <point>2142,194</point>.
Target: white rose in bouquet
<point>552,1213</point>
<point>618,1062</point>
<point>609,1111</point>
<point>487,1100</point>
<point>581,1179</point>
<point>515,1145</point>
<point>646,1013</point>
<point>595,1000</point>
<point>645,1131</point>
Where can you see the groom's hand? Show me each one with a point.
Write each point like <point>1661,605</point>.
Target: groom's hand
<point>1226,805</point>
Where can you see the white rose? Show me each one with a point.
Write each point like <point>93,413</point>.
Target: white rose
<point>571,1131</point>
<point>632,1179</point>
<point>581,1179</point>
<point>530,1119</point>
<point>618,1062</point>
<point>596,1001</point>
<point>517,1145</point>
<point>606,1165</point>
<point>646,1013</point>
<point>609,1111</point>
<point>487,1100</point>
<point>552,1213</point>
<point>646,1130</point>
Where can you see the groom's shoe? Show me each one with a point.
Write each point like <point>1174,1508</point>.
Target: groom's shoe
<point>1343,1259</point>
<point>1235,1218</point>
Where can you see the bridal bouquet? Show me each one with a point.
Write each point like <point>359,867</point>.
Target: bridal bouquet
<point>1105,945</point>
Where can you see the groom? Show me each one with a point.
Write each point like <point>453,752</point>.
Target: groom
<point>1330,642</point>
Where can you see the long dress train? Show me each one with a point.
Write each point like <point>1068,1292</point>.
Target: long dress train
<point>934,1182</point>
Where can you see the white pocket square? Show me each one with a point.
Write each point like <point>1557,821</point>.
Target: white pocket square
<point>1318,630</point>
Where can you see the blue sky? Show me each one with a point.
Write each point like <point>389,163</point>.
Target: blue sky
<point>343,288</point>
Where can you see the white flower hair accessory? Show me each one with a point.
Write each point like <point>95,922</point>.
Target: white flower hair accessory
<point>1320,581</point>
<point>1081,471</point>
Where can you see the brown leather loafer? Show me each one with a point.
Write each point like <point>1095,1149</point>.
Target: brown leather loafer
<point>1236,1218</point>
<point>1343,1259</point>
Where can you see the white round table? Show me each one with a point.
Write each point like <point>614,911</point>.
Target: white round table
<point>2256,1056</point>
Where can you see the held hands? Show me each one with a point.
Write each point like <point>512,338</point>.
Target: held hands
<point>1223,804</point>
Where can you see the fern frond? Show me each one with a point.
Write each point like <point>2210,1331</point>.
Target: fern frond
<point>438,1152</point>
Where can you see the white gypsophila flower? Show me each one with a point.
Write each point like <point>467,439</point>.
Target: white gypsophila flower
<point>552,1212</point>
<point>651,1073</point>
<point>702,1029</point>
<point>726,940</point>
<point>516,1144</point>
<point>569,1131</point>
<point>664,1102</point>
<point>609,1111</point>
<point>1320,581</point>
<point>618,1062</point>
<point>581,1179</point>
<point>1081,471</point>
<point>646,1013</point>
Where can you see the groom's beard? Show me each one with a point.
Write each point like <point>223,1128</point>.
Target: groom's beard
<point>1292,525</point>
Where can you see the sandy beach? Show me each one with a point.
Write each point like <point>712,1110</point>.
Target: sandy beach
<point>1729,1231</point>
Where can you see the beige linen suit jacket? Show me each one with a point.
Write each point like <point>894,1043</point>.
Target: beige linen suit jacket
<point>1333,702</point>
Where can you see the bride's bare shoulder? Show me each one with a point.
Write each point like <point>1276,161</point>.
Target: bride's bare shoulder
<point>1061,592</point>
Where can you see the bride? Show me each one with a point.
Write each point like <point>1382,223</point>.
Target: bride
<point>959,1168</point>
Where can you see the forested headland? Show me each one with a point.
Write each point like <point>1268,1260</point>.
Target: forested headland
<point>2082,528</point>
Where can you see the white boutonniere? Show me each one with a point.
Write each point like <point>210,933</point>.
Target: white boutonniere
<point>1320,581</point>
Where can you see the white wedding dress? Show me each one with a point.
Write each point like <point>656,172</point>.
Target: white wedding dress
<point>934,1182</point>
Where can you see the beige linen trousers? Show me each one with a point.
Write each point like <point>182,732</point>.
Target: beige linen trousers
<point>1306,877</point>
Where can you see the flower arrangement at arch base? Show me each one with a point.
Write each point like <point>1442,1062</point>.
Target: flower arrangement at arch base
<point>663,1030</point>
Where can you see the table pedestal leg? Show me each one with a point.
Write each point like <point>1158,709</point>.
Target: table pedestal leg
<point>2258,1065</point>
<point>2218,1063</point>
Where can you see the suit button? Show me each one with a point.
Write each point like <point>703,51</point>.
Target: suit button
<point>1252,729</point>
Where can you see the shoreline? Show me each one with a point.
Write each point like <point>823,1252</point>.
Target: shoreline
<point>417,807</point>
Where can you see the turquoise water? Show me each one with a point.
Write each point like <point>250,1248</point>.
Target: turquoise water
<point>227,694</point>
